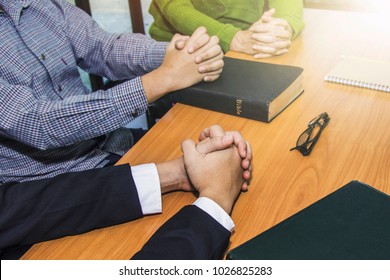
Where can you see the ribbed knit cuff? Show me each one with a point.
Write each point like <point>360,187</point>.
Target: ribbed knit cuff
<point>226,36</point>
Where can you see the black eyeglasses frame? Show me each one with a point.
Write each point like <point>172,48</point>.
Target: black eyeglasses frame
<point>307,145</point>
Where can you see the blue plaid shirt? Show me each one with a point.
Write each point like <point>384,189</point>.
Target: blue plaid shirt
<point>50,123</point>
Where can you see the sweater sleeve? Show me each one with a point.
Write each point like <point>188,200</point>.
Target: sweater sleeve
<point>185,18</point>
<point>292,11</point>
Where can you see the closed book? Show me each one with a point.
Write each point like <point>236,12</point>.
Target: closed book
<point>249,89</point>
<point>352,223</point>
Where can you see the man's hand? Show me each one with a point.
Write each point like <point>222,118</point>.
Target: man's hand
<point>214,138</point>
<point>216,175</point>
<point>173,175</point>
<point>184,68</point>
<point>208,52</point>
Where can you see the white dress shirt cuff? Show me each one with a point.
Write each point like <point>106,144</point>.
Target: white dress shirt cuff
<point>147,183</point>
<point>215,211</point>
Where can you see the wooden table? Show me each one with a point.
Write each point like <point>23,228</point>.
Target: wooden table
<point>354,146</point>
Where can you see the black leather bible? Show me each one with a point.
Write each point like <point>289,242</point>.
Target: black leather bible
<point>352,223</point>
<point>249,89</point>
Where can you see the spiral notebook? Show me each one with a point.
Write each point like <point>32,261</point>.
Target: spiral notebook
<point>361,72</point>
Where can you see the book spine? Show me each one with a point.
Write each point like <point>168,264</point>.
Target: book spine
<point>220,102</point>
<point>361,84</point>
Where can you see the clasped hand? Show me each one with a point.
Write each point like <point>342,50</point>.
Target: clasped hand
<point>218,167</point>
<point>267,37</point>
<point>272,35</point>
<point>187,61</point>
<point>193,59</point>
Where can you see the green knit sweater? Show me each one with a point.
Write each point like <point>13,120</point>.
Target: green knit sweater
<point>221,17</point>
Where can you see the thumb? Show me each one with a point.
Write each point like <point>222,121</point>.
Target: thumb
<point>177,41</point>
<point>269,13</point>
<point>181,41</point>
<point>180,44</point>
<point>267,16</point>
<point>215,144</point>
<point>188,148</point>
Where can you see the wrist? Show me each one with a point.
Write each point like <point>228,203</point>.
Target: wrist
<point>156,84</point>
<point>243,42</point>
<point>224,203</point>
<point>235,44</point>
<point>291,31</point>
<point>172,175</point>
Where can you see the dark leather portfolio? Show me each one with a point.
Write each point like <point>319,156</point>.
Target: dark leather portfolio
<point>352,223</point>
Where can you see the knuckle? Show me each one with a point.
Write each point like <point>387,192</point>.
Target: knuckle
<point>215,126</point>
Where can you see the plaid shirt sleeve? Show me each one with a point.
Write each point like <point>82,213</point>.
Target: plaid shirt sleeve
<point>115,56</point>
<point>43,103</point>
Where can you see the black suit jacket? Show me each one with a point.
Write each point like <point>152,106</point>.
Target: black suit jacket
<point>190,234</point>
<point>75,203</point>
<point>67,204</point>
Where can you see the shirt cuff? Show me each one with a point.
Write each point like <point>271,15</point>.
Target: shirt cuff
<point>156,52</point>
<point>215,211</point>
<point>147,183</point>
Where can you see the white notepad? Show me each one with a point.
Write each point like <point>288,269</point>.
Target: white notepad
<point>361,72</point>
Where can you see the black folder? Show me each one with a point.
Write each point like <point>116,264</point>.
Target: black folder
<point>352,223</point>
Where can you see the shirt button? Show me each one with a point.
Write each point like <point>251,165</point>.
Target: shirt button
<point>134,113</point>
<point>43,56</point>
<point>59,88</point>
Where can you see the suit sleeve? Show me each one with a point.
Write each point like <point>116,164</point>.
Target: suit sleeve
<point>68,204</point>
<point>189,234</point>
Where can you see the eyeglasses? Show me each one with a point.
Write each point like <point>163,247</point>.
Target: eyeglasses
<point>310,136</point>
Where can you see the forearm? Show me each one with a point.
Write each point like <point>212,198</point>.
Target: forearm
<point>185,19</point>
<point>114,56</point>
<point>68,204</point>
<point>172,176</point>
<point>46,124</point>
<point>133,55</point>
<point>156,84</point>
<point>189,234</point>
